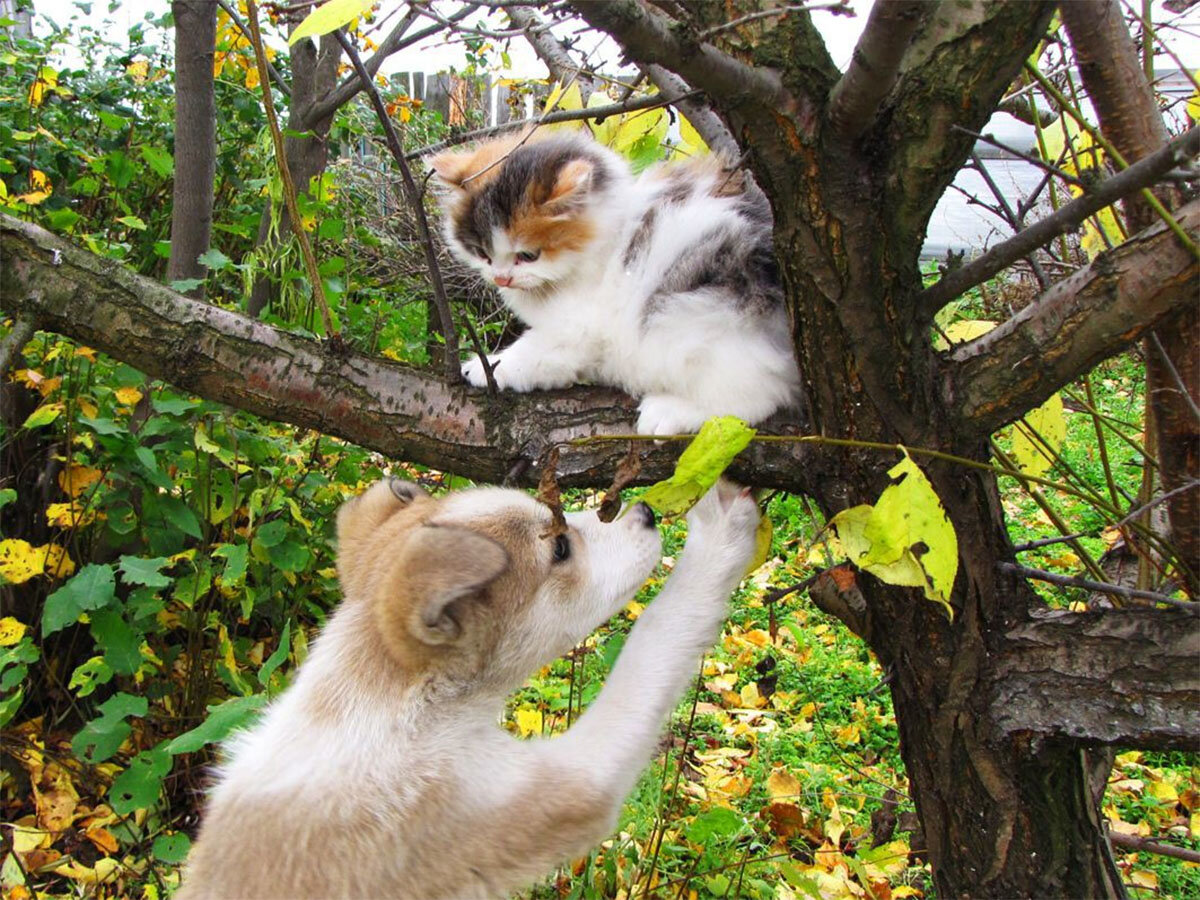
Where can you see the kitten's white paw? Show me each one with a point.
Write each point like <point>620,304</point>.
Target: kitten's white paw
<point>724,524</point>
<point>664,414</point>
<point>472,370</point>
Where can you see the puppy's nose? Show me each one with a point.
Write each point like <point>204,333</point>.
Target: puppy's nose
<point>645,514</point>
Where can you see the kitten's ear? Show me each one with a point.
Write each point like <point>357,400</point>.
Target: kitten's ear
<point>572,184</point>
<point>452,168</point>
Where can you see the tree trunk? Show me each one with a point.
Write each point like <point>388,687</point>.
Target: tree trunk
<point>195,139</point>
<point>314,76</point>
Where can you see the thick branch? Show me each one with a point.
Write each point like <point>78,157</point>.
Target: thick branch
<point>1067,218</point>
<point>649,38</point>
<point>1123,676</point>
<point>1078,322</point>
<point>961,61</point>
<point>562,67</point>
<point>873,70</point>
<point>399,411</point>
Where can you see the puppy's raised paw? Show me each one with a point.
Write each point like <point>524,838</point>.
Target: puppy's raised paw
<point>724,521</point>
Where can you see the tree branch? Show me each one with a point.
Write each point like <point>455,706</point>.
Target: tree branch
<point>396,410</point>
<point>706,122</point>
<point>1081,320</point>
<point>1000,257</point>
<point>875,66</point>
<point>649,38</point>
<point>1122,676</point>
<point>393,43</point>
<point>562,67</point>
<point>962,59</point>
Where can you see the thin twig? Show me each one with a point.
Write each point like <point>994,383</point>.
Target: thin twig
<point>1009,215</point>
<point>1175,376</point>
<point>1144,172</point>
<point>1103,587</point>
<point>1133,842</point>
<point>1133,514</point>
<point>285,173</point>
<point>650,101</point>
<point>1021,154</point>
<point>451,364</point>
<point>1046,542</point>
<point>838,7</point>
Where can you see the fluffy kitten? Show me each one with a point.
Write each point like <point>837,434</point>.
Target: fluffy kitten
<point>663,284</point>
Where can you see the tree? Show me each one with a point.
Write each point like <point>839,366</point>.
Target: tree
<point>995,706</point>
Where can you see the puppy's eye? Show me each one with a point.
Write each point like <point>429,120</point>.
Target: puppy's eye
<point>528,255</point>
<point>562,548</point>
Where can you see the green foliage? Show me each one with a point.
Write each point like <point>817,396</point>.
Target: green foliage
<point>700,465</point>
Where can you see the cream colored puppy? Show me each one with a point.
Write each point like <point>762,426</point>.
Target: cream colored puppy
<point>382,771</point>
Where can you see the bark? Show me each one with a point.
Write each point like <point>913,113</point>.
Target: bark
<point>1124,677</point>
<point>556,56</point>
<point>195,139</point>
<point>1002,817</point>
<point>399,411</point>
<point>1129,116</point>
<point>1078,322</point>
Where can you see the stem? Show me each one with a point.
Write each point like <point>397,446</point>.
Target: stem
<point>1103,587</point>
<point>285,173</point>
<point>453,371</point>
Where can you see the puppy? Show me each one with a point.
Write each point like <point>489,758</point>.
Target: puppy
<point>382,771</point>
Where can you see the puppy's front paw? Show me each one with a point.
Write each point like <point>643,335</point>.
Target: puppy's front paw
<point>724,524</point>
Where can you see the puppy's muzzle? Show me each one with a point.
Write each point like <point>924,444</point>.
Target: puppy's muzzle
<point>644,514</point>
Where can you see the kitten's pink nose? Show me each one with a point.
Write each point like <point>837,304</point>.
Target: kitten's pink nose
<point>502,280</point>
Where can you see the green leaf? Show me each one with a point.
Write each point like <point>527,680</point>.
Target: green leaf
<point>183,285</point>
<point>101,426</point>
<point>235,556</point>
<point>271,533</point>
<point>43,415</point>
<point>701,464</point>
<point>222,719</point>
<point>139,786</point>
<point>132,222</point>
<point>120,643</point>
<point>92,587</point>
<point>110,120</point>
<point>9,706</point>
<point>180,515</point>
<point>905,538</point>
<point>329,17</point>
<point>290,556</point>
<point>159,160</point>
<point>119,169</point>
<point>89,675</point>
<point>276,659</point>
<point>1047,422</point>
<point>62,219</point>
<point>717,822</point>
<point>7,496</point>
<point>139,570</point>
<point>214,259</point>
<point>102,737</point>
<point>172,848</point>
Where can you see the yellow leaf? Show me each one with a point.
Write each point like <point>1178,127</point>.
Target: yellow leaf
<point>906,890</point>
<point>690,137</point>
<point>637,125</point>
<point>138,70</point>
<point>1097,228</point>
<point>58,564</point>
<point>74,480</point>
<point>604,132</point>
<point>86,352</point>
<point>127,395</point>
<point>20,560</point>
<point>11,631</point>
<point>568,99</point>
<point>252,77</point>
<point>69,515</point>
<point>328,17</point>
<point>26,839</point>
<point>1048,422</point>
<point>762,544</point>
<point>850,734</point>
<point>633,609</point>
<point>751,699</point>
<point>962,331</point>
<point>529,722</point>
<point>1143,879</point>
<point>781,784</point>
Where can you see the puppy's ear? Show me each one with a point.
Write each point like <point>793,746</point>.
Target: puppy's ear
<point>443,567</point>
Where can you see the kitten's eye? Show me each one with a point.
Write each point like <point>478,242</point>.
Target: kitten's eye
<point>528,255</point>
<point>562,548</point>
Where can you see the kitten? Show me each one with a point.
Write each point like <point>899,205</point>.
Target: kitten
<point>663,284</point>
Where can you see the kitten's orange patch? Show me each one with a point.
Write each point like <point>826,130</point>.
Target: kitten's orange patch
<point>551,234</point>
<point>475,167</point>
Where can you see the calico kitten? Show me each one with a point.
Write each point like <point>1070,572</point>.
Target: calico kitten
<point>664,284</point>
